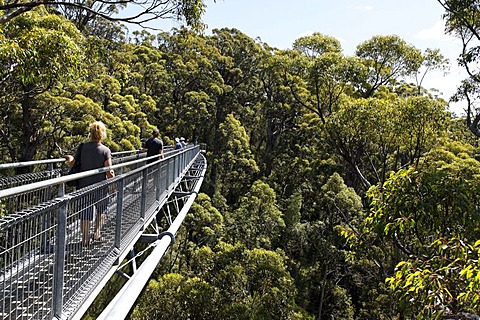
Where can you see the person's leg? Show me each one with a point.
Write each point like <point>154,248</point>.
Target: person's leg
<point>99,221</point>
<point>86,216</point>
<point>85,228</point>
<point>101,208</point>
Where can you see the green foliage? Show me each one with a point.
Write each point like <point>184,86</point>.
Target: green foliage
<point>204,222</point>
<point>257,223</point>
<point>445,280</point>
<point>42,49</point>
<point>295,138</point>
<point>232,283</point>
<point>412,214</point>
<point>438,198</point>
<point>38,52</point>
<point>293,210</point>
<point>387,59</point>
<point>235,162</point>
<point>375,136</point>
<point>316,45</point>
<point>337,197</point>
<point>172,291</point>
<point>461,21</point>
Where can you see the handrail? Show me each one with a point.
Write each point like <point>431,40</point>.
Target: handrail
<point>29,163</point>
<point>56,160</point>
<point>64,179</point>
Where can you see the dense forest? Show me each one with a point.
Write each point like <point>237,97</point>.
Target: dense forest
<point>337,188</point>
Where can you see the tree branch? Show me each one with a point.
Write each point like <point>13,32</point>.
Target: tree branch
<point>149,9</point>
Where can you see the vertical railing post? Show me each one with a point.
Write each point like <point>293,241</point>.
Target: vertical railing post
<point>49,190</point>
<point>185,159</point>
<point>166,168</point>
<point>118,216</point>
<point>143,199</point>
<point>177,167</point>
<point>158,183</point>
<point>58,273</point>
<point>181,166</point>
<point>171,171</point>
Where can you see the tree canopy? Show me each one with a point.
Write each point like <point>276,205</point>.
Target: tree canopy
<point>337,186</point>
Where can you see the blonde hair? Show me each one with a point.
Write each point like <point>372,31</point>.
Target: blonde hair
<point>98,131</point>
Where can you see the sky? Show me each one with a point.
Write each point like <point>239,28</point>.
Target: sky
<point>279,22</point>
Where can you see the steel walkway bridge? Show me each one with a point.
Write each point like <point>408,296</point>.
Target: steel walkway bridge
<point>46,273</point>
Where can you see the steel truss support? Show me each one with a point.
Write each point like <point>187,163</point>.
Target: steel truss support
<point>180,200</point>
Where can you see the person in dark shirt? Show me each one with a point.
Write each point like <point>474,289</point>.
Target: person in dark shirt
<point>94,155</point>
<point>153,146</point>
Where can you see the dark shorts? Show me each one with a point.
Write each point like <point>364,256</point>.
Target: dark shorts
<point>99,200</point>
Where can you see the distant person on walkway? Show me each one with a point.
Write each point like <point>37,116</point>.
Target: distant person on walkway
<point>94,155</point>
<point>153,146</point>
<point>182,142</point>
<point>178,145</point>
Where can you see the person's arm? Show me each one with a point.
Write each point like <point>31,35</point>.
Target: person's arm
<point>110,173</point>
<point>145,146</point>
<point>70,160</point>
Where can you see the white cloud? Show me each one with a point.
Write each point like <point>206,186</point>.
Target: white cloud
<point>436,32</point>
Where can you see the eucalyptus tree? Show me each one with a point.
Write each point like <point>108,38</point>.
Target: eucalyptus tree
<point>146,80</point>
<point>186,98</point>
<point>257,222</point>
<point>238,65</point>
<point>316,252</point>
<point>442,283</point>
<point>166,298</point>
<point>230,282</point>
<point>106,80</point>
<point>39,51</point>
<point>387,59</point>
<point>282,109</point>
<point>462,22</point>
<point>432,59</point>
<point>423,220</point>
<point>236,166</point>
<point>377,135</point>
<point>256,283</point>
<point>204,225</point>
<point>326,73</point>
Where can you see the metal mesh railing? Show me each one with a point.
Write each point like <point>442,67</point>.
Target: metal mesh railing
<point>42,170</point>
<point>45,271</point>
<point>31,198</point>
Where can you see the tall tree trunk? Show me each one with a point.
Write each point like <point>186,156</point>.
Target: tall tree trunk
<point>29,135</point>
<point>219,118</point>
<point>270,146</point>
<point>322,296</point>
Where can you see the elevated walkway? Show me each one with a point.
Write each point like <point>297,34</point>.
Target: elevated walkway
<point>46,273</point>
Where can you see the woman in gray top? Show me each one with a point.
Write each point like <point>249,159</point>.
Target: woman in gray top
<point>94,155</point>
